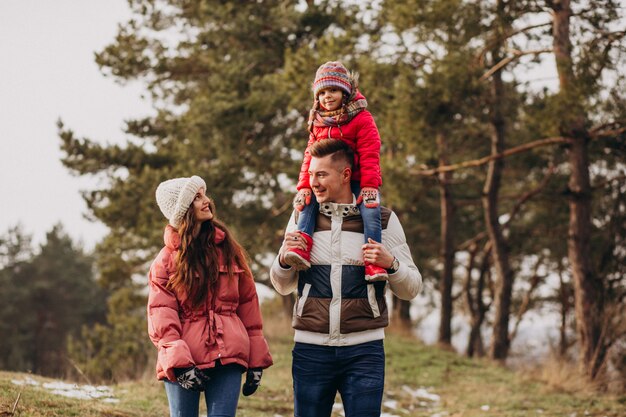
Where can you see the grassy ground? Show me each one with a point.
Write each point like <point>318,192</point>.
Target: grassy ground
<point>465,388</point>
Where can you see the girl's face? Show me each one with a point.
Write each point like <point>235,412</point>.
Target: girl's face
<point>330,98</point>
<point>201,207</point>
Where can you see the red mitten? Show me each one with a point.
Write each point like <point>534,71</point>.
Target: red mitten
<point>303,198</point>
<point>370,196</point>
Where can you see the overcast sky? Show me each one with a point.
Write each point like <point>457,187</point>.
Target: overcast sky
<point>47,72</point>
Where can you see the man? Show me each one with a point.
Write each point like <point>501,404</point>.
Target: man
<point>339,317</point>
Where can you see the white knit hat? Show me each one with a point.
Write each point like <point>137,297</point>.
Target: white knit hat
<point>175,196</point>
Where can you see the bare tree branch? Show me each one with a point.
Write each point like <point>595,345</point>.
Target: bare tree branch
<point>468,243</point>
<point>534,282</point>
<point>489,45</point>
<point>609,133</point>
<point>516,54</point>
<point>514,211</point>
<point>528,195</point>
<point>486,159</point>
<point>598,130</point>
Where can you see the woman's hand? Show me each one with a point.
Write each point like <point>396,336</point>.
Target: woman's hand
<point>191,378</point>
<point>253,380</point>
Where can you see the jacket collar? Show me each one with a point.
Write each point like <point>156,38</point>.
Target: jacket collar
<point>172,238</point>
<point>340,209</point>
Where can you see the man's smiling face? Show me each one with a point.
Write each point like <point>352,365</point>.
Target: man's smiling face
<point>328,180</point>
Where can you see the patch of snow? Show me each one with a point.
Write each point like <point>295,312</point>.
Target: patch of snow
<point>84,392</point>
<point>26,381</point>
<point>81,392</point>
<point>421,393</point>
<point>111,400</point>
<point>391,404</point>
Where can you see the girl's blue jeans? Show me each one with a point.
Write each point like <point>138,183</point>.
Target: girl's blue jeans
<point>221,394</point>
<point>372,227</point>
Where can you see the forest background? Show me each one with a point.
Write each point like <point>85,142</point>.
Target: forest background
<point>512,196</point>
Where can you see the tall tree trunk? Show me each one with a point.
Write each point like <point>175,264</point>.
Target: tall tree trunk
<point>588,288</point>
<point>499,249</point>
<point>564,300</point>
<point>447,245</point>
<point>476,304</point>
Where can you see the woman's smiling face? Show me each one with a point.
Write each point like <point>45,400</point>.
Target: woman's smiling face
<point>201,207</point>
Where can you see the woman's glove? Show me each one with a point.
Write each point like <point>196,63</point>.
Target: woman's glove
<point>191,378</point>
<point>253,380</point>
<point>370,196</point>
<point>303,198</point>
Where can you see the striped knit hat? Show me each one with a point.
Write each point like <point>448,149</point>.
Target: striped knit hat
<point>332,74</point>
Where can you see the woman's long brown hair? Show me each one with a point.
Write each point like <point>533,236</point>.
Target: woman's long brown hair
<point>197,264</point>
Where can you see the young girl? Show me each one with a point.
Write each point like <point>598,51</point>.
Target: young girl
<point>339,112</point>
<point>203,310</point>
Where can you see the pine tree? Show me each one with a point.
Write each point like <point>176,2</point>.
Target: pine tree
<point>49,296</point>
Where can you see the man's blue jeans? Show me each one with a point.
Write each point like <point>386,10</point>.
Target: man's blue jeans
<point>221,394</point>
<point>356,372</point>
<point>372,227</point>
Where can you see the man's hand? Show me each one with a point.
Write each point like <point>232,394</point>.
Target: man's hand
<point>253,380</point>
<point>377,254</point>
<point>303,198</point>
<point>191,378</point>
<point>370,196</point>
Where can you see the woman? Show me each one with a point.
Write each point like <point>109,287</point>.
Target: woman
<point>203,310</point>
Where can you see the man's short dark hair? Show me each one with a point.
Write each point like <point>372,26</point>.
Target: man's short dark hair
<point>339,150</point>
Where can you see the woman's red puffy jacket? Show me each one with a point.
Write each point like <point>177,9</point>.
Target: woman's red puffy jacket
<point>230,331</point>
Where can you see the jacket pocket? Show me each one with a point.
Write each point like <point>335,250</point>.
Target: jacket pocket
<point>302,299</point>
<point>371,297</point>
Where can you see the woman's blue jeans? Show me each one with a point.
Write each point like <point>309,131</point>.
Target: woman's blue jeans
<point>372,227</point>
<point>221,394</point>
<point>356,372</point>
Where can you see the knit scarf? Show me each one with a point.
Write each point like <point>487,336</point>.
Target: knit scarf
<point>320,117</point>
